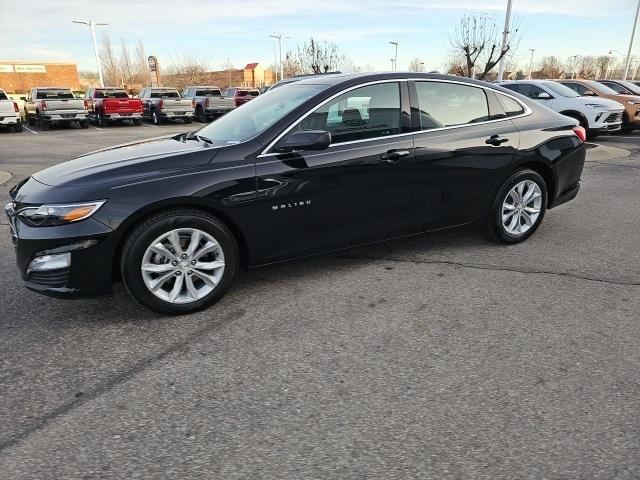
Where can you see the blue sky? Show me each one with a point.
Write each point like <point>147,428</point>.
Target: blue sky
<point>214,30</point>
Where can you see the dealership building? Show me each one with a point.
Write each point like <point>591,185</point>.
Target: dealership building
<point>20,76</point>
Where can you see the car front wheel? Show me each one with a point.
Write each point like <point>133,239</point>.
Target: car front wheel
<point>179,261</point>
<point>518,208</point>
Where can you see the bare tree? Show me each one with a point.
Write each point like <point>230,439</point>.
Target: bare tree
<point>550,67</point>
<point>187,69</point>
<point>603,63</point>
<point>228,67</point>
<point>141,67</point>
<point>316,57</point>
<point>478,39</point>
<point>416,65</point>
<point>109,61</point>
<point>588,67</point>
<point>126,65</point>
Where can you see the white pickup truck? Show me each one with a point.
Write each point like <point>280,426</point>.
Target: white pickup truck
<point>9,113</point>
<point>161,104</point>
<point>47,105</point>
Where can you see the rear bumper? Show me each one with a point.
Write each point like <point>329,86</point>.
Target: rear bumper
<point>218,110</point>
<point>179,114</point>
<point>64,116</point>
<point>10,120</point>
<point>122,115</point>
<point>567,173</point>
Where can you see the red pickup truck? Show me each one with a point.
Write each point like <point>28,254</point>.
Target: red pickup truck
<point>110,104</point>
<point>241,95</point>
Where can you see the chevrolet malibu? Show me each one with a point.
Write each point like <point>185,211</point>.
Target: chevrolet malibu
<point>315,166</point>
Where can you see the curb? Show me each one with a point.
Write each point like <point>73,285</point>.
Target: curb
<point>4,177</point>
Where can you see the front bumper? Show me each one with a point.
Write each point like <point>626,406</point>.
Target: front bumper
<point>607,121</point>
<point>90,245</point>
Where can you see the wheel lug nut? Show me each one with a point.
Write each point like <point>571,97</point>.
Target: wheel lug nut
<point>193,262</point>
<point>190,272</point>
<point>184,255</point>
<point>178,274</point>
<point>174,263</point>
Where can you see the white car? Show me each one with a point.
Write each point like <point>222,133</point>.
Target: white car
<point>596,115</point>
<point>9,113</point>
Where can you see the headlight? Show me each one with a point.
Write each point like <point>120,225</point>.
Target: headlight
<point>50,215</point>
<point>595,105</point>
<point>633,102</point>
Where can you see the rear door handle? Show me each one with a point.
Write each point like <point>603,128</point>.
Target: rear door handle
<point>392,156</point>
<point>495,140</point>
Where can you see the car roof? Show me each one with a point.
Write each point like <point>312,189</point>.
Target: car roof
<point>336,79</point>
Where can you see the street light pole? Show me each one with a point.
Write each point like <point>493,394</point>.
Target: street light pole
<point>395,57</point>
<point>505,40</point>
<point>573,67</point>
<point>531,62</point>
<point>392,60</point>
<point>92,25</point>
<point>633,34</point>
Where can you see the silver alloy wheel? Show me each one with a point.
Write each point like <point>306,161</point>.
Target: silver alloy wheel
<point>521,207</point>
<point>183,265</point>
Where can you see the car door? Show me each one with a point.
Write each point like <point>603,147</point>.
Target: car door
<point>465,144</point>
<point>356,191</point>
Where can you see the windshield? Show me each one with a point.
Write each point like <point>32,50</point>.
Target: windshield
<point>561,90</point>
<point>164,94</point>
<point>254,117</point>
<point>52,94</point>
<point>598,87</point>
<point>632,87</point>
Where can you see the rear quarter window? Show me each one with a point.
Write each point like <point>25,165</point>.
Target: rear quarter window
<point>511,107</point>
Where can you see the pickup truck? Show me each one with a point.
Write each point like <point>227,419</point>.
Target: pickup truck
<point>241,95</point>
<point>110,104</point>
<point>160,104</point>
<point>9,113</point>
<point>209,102</point>
<point>47,105</point>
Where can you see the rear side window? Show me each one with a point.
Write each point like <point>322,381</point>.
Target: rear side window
<point>511,107</point>
<point>54,94</point>
<point>253,93</point>
<point>366,112</point>
<point>447,104</point>
<point>576,87</point>
<point>530,90</point>
<point>512,86</point>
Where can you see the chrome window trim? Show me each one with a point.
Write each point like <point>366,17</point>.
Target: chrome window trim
<point>527,111</point>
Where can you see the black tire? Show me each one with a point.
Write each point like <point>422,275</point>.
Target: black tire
<point>43,124</point>
<point>102,121</point>
<point>494,226</point>
<point>31,120</point>
<point>155,118</point>
<point>200,115</point>
<point>626,127</point>
<point>137,121</point>
<point>84,123</point>
<point>18,127</point>
<point>156,225</point>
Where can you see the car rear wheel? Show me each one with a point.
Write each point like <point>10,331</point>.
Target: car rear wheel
<point>188,120</point>
<point>42,123</point>
<point>200,115</point>
<point>518,208</point>
<point>137,121</point>
<point>179,261</point>
<point>84,123</point>
<point>102,121</point>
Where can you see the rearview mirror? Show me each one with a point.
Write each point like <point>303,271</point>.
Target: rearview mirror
<point>544,96</point>
<point>306,140</point>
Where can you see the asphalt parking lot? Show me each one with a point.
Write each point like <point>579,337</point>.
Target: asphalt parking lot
<point>443,356</point>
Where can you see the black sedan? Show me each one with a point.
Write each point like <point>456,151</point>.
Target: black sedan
<point>315,166</point>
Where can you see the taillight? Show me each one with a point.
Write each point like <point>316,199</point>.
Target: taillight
<point>206,102</point>
<point>161,104</point>
<point>581,133</point>
<point>15,107</point>
<point>86,105</point>
<point>43,105</point>
<point>193,103</point>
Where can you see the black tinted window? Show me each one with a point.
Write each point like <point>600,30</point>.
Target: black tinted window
<point>510,106</point>
<point>53,94</point>
<point>530,90</point>
<point>447,104</point>
<point>616,87</point>
<point>512,86</point>
<point>110,94</point>
<point>576,87</point>
<point>366,112</point>
<point>164,94</point>
<point>208,93</point>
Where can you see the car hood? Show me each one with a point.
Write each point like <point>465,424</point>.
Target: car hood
<point>142,159</point>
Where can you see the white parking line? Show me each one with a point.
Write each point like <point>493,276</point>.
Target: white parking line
<point>29,130</point>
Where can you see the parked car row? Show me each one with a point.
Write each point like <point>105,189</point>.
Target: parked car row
<point>601,106</point>
<point>45,106</point>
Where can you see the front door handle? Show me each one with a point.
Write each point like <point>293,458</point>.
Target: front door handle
<point>392,156</point>
<point>495,140</point>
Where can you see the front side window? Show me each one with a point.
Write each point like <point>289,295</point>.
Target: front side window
<point>448,104</point>
<point>367,112</point>
<point>617,88</point>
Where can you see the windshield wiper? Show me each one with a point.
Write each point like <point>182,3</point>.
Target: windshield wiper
<point>199,138</point>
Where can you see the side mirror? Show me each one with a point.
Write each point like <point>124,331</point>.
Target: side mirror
<point>306,140</point>
<point>544,96</point>
<point>589,93</point>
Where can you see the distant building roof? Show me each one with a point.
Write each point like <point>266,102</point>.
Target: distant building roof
<point>251,66</point>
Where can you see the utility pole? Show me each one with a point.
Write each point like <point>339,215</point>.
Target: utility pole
<point>505,40</point>
<point>228,71</point>
<point>395,57</point>
<point>392,60</point>
<point>633,34</point>
<point>92,26</point>
<point>531,62</point>
<point>574,64</point>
